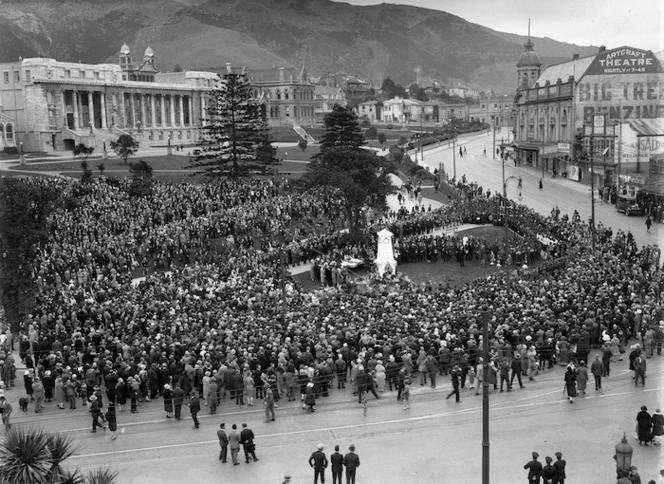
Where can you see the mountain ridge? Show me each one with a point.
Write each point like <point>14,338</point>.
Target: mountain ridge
<point>370,42</point>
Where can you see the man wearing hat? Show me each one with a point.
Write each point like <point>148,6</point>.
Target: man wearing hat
<point>559,466</point>
<point>223,442</point>
<point>351,462</point>
<point>247,441</point>
<point>534,470</point>
<point>318,462</point>
<point>95,411</point>
<point>5,411</point>
<point>337,461</point>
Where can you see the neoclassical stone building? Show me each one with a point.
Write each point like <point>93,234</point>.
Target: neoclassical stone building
<point>47,105</point>
<point>54,105</point>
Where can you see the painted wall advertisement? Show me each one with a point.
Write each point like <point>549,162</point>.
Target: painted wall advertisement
<point>638,148</point>
<point>621,83</point>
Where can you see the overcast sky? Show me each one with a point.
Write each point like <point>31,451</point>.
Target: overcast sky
<point>614,23</point>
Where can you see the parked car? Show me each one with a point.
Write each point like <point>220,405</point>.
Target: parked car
<point>628,205</point>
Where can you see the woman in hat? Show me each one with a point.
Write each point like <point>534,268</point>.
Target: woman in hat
<point>310,398</point>
<point>121,394</point>
<point>582,377</point>
<point>38,392</point>
<point>657,426</point>
<point>60,395</point>
<point>644,426</point>
<point>168,400</point>
<point>570,382</point>
<point>111,419</point>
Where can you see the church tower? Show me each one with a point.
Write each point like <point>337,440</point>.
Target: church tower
<point>148,58</point>
<point>125,57</point>
<point>529,65</point>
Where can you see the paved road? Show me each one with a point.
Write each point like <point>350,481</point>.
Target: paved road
<point>437,440</point>
<point>561,192</point>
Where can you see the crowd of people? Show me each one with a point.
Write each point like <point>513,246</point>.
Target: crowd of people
<point>207,318</point>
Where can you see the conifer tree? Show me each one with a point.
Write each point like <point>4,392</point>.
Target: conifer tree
<point>235,140</point>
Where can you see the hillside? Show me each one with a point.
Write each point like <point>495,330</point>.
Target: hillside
<point>370,42</point>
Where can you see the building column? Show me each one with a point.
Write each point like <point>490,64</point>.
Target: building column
<point>190,105</point>
<point>203,113</point>
<point>102,96</point>
<point>91,109</point>
<point>64,108</point>
<point>172,113</point>
<point>143,110</point>
<point>162,107</point>
<point>132,106</point>
<point>75,98</point>
<point>123,114</point>
<point>152,111</point>
<point>181,100</point>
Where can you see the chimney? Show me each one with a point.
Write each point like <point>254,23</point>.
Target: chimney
<point>602,48</point>
<point>229,69</point>
<point>281,73</point>
<point>575,56</point>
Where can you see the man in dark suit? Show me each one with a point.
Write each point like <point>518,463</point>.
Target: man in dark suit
<point>247,441</point>
<point>319,462</point>
<point>351,462</point>
<point>534,469</point>
<point>223,442</point>
<point>559,466</point>
<point>178,400</point>
<point>337,461</point>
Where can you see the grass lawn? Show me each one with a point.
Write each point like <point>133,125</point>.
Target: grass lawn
<point>171,168</point>
<point>439,272</point>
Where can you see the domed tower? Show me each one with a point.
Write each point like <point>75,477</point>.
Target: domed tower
<point>125,57</point>
<point>529,65</point>
<point>148,58</point>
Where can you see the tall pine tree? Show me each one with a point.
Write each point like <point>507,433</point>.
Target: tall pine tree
<point>235,140</point>
<point>341,130</point>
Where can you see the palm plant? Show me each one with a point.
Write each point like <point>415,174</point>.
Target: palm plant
<point>34,456</point>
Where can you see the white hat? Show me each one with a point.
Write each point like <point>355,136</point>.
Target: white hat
<point>320,446</point>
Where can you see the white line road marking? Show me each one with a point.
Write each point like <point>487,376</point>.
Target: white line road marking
<point>344,427</point>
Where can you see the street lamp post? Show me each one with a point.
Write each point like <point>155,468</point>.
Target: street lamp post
<point>454,150</point>
<point>493,150</point>
<point>485,396</point>
<point>623,457</point>
<point>507,252</point>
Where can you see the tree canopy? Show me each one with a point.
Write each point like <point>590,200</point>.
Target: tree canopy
<point>391,90</point>
<point>359,177</point>
<point>235,140</point>
<point>341,130</point>
<point>25,208</point>
<point>125,146</point>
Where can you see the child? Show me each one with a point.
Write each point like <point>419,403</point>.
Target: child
<point>406,393</point>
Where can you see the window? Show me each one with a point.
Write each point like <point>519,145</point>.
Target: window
<point>96,76</point>
<point>17,76</point>
<point>27,75</point>
<point>6,76</point>
<point>82,74</point>
<point>67,73</point>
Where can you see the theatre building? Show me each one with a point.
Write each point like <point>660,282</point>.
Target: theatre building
<point>587,114</point>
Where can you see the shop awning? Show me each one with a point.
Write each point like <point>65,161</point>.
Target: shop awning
<point>524,145</point>
<point>654,185</point>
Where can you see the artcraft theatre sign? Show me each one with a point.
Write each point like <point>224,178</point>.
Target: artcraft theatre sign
<point>623,83</point>
<point>625,60</point>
